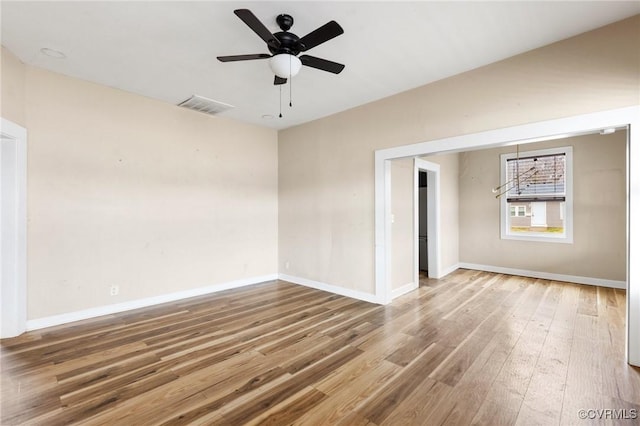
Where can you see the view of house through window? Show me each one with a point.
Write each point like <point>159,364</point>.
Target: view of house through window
<point>535,194</point>
<point>537,216</point>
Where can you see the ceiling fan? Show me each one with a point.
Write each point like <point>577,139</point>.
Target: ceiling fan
<point>285,46</point>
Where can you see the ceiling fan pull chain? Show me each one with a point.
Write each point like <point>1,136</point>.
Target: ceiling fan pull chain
<point>280,101</point>
<point>290,83</point>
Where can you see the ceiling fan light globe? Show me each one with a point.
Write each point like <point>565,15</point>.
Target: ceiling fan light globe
<point>285,65</point>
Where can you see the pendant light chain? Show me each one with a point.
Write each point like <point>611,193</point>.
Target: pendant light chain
<point>290,83</point>
<point>290,88</point>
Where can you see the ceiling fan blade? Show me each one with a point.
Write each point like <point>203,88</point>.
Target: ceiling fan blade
<point>243,57</point>
<point>279,80</point>
<point>321,64</point>
<point>324,33</point>
<point>258,27</point>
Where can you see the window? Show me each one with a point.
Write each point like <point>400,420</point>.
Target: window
<point>536,198</point>
<point>518,211</point>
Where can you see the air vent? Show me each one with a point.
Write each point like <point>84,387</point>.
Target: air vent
<point>205,105</point>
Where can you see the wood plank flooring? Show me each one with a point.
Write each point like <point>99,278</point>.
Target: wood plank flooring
<point>472,348</point>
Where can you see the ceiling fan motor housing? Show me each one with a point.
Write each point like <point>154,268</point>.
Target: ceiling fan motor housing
<point>288,44</point>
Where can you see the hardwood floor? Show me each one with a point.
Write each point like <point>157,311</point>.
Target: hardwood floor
<point>473,348</point>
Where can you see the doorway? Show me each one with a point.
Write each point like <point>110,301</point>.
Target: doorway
<point>423,232</point>
<point>426,215</point>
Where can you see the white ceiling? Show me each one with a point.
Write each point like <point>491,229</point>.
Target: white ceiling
<point>167,50</point>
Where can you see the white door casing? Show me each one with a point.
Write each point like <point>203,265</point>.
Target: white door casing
<point>433,217</point>
<point>13,219</point>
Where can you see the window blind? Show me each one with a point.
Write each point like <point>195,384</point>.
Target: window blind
<point>537,178</point>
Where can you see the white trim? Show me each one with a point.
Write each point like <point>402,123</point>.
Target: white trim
<point>546,275</point>
<point>523,134</point>
<point>628,117</point>
<point>382,229</point>
<point>354,294</point>
<point>402,290</point>
<point>433,217</point>
<point>567,236</point>
<point>633,244</point>
<point>12,130</point>
<point>385,296</point>
<point>449,270</point>
<point>13,219</point>
<point>51,321</point>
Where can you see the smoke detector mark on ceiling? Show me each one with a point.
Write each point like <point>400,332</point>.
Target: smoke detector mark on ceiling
<point>205,105</point>
<point>52,53</point>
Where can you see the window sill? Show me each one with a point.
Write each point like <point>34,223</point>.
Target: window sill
<point>541,238</point>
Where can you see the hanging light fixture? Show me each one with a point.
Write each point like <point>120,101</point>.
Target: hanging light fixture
<point>285,65</point>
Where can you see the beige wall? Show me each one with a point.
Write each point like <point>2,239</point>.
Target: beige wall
<point>124,190</point>
<point>12,88</point>
<point>599,248</point>
<point>326,168</point>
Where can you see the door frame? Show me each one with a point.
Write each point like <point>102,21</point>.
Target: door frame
<point>13,222</point>
<point>628,117</point>
<point>433,217</point>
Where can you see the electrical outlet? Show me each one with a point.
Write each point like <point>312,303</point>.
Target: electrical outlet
<point>286,265</point>
<point>114,290</point>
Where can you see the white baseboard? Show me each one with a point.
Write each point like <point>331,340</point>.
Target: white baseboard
<point>354,294</point>
<point>450,269</point>
<point>54,320</point>
<point>397,292</point>
<point>546,275</point>
<point>51,321</point>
